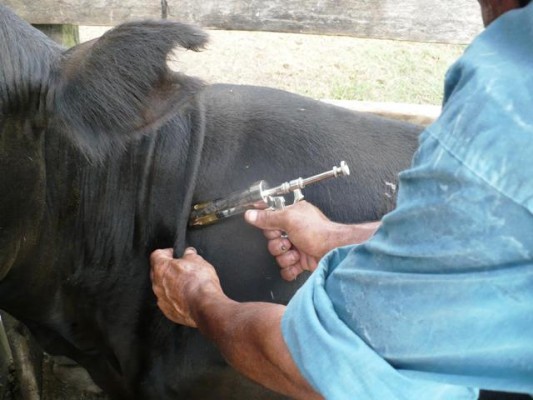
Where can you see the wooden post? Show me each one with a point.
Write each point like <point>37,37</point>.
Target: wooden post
<point>66,35</point>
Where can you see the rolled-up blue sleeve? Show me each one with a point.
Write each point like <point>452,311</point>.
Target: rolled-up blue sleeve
<point>438,303</point>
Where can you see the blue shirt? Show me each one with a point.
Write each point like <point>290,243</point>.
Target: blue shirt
<point>440,301</point>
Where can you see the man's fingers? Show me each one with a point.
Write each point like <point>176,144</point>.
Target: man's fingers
<point>164,255</point>
<point>292,272</point>
<point>192,258</point>
<point>308,263</point>
<point>272,234</point>
<point>288,259</point>
<point>189,251</point>
<point>160,255</point>
<point>265,219</point>
<point>279,246</point>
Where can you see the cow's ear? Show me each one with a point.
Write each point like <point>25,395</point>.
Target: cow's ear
<point>120,84</point>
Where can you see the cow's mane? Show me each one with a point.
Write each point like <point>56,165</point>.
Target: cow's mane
<point>27,56</point>
<point>121,85</point>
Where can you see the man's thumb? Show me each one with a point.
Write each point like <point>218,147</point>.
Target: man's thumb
<point>264,219</point>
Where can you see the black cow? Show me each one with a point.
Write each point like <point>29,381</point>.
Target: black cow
<point>103,150</point>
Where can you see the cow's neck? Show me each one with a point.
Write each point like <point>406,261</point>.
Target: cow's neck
<point>133,201</point>
<point>102,223</point>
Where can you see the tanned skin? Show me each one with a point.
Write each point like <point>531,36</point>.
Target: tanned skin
<point>249,334</point>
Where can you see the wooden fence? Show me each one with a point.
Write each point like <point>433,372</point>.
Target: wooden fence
<point>447,21</point>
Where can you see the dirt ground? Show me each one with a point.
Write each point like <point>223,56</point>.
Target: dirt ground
<point>321,67</point>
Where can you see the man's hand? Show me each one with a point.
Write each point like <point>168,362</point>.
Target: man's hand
<point>177,283</point>
<point>248,334</point>
<point>300,235</point>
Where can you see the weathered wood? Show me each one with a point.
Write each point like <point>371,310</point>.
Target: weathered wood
<point>66,35</point>
<point>85,12</point>
<point>417,20</point>
<point>421,114</point>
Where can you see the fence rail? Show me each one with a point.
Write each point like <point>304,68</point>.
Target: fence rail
<point>416,20</point>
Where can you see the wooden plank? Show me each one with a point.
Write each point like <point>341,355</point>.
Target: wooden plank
<point>455,21</point>
<point>84,12</point>
<point>417,20</point>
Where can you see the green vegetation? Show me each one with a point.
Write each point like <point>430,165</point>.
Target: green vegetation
<point>322,67</point>
<point>388,71</point>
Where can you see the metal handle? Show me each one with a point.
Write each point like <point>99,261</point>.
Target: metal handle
<point>272,196</point>
<point>291,186</point>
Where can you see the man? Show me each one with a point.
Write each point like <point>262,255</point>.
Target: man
<point>439,301</point>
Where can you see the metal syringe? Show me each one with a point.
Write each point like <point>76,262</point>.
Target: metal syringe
<point>238,202</point>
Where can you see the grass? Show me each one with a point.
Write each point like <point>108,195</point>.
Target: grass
<point>322,67</point>
<point>395,72</point>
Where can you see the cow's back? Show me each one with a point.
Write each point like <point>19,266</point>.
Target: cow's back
<point>255,133</point>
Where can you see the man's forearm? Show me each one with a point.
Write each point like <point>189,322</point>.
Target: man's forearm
<point>249,337</point>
